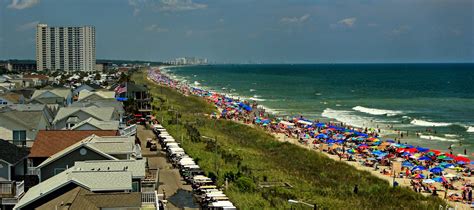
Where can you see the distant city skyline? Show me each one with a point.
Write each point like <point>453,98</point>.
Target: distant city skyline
<point>253,31</point>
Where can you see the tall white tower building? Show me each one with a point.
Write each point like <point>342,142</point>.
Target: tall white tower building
<point>65,48</point>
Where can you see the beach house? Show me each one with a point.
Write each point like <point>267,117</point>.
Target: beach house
<point>68,117</point>
<point>12,171</point>
<point>90,148</point>
<point>60,96</point>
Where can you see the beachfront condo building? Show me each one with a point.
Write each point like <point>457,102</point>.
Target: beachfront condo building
<point>65,48</point>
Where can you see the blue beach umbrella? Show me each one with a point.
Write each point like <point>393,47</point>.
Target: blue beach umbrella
<point>436,170</point>
<point>424,158</point>
<point>421,149</point>
<point>322,136</point>
<point>438,179</point>
<point>407,164</point>
<point>418,168</point>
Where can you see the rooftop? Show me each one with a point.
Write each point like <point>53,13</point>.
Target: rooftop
<point>50,142</point>
<point>11,153</point>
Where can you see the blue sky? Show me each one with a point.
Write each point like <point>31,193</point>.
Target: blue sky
<point>271,31</point>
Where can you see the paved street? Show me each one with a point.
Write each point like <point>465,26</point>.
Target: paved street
<point>170,179</point>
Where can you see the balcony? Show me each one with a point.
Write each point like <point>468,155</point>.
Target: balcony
<point>12,189</point>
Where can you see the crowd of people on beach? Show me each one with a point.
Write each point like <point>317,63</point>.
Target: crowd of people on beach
<point>427,170</point>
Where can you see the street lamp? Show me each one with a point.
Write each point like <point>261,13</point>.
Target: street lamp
<point>291,201</point>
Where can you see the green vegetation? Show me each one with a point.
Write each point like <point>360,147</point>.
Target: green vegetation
<point>250,158</point>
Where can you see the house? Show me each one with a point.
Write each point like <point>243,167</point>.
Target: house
<point>103,103</point>
<point>11,98</point>
<point>82,87</point>
<point>85,95</point>
<point>138,95</point>
<point>35,80</point>
<point>50,142</point>
<point>90,148</point>
<point>12,171</point>
<point>94,124</point>
<point>58,189</point>
<point>45,109</point>
<point>21,127</point>
<point>68,117</point>
<point>60,96</point>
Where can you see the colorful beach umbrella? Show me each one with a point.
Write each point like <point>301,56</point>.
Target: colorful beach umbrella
<point>419,176</point>
<point>429,181</point>
<point>424,158</point>
<point>436,170</point>
<point>418,168</point>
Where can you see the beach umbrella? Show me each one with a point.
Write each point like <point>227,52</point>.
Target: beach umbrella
<point>419,176</point>
<point>421,149</point>
<point>390,140</point>
<point>461,163</point>
<point>429,181</point>
<point>436,170</point>
<point>424,158</point>
<point>448,159</point>
<point>363,146</point>
<point>441,157</point>
<point>407,164</point>
<point>461,158</point>
<point>320,136</point>
<point>418,168</point>
<point>438,179</point>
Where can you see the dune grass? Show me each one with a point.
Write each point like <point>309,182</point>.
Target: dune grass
<point>249,158</point>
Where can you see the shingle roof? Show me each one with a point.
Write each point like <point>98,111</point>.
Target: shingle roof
<point>84,94</point>
<point>63,93</point>
<point>90,180</point>
<point>11,153</point>
<point>137,167</point>
<point>100,103</point>
<point>102,113</point>
<point>50,142</point>
<point>102,145</point>
<point>101,125</point>
<point>28,119</point>
<point>12,97</point>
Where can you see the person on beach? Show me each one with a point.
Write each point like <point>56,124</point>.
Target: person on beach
<point>356,189</point>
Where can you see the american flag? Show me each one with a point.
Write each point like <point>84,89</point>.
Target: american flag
<point>120,89</point>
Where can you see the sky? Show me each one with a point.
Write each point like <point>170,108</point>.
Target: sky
<point>240,31</point>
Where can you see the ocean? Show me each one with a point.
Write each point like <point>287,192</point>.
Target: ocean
<point>436,100</point>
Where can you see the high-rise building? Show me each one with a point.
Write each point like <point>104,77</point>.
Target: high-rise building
<point>65,48</point>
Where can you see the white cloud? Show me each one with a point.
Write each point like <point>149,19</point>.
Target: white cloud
<point>27,26</point>
<point>164,5</point>
<point>22,4</point>
<point>180,5</point>
<point>349,22</point>
<point>155,28</point>
<point>289,20</point>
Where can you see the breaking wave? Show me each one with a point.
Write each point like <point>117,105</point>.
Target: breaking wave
<point>437,138</point>
<point>429,124</point>
<point>373,111</point>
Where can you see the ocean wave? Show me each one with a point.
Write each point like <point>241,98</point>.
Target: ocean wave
<point>451,135</point>
<point>272,111</point>
<point>373,111</point>
<point>252,90</point>
<point>429,124</point>
<point>346,117</point>
<point>437,138</point>
<point>257,99</point>
<point>470,129</point>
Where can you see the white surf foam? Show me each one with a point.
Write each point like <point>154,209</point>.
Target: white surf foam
<point>373,111</point>
<point>437,138</point>
<point>252,90</point>
<point>429,124</point>
<point>451,135</point>
<point>470,129</point>
<point>346,117</point>
<point>257,99</point>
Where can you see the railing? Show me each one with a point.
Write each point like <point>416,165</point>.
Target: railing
<point>12,189</point>
<point>129,131</point>
<point>151,198</point>
<point>20,188</point>
<point>32,171</point>
<point>6,188</point>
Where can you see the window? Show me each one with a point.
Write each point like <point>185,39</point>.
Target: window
<point>19,137</point>
<point>135,186</point>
